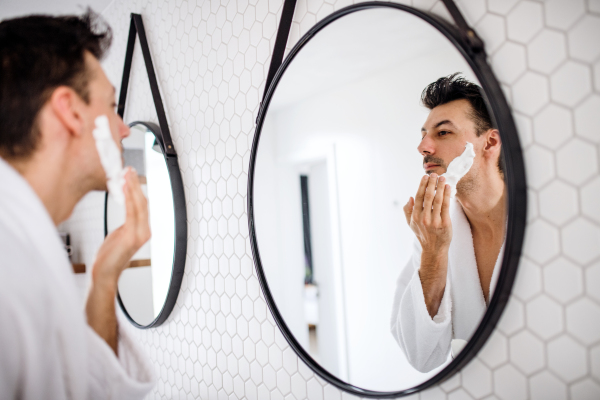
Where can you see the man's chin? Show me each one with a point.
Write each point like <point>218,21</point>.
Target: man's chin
<point>437,170</point>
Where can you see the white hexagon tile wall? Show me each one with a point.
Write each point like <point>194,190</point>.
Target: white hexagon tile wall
<point>221,342</point>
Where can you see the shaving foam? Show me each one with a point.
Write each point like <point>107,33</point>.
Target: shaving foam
<point>110,158</point>
<point>459,167</point>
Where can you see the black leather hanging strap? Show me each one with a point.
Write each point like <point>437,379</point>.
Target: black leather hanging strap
<point>287,15</point>
<point>137,28</point>
<point>468,34</point>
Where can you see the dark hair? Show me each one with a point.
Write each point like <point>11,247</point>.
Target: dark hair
<point>454,87</point>
<point>39,53</point>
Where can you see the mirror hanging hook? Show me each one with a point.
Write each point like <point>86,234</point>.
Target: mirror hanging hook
<point>473,41</point>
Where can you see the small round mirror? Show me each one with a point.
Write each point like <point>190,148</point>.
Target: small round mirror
<point>153,276</point>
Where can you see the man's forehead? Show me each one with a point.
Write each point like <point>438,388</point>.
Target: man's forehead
<point>453,113</point>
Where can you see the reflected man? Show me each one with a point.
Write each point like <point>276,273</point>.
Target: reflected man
<point>445,288</point>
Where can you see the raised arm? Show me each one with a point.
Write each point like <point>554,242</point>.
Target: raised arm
<point>113,257</point>
<point>428,216</point>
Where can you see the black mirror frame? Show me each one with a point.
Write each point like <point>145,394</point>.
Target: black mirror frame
<point>180,247</point>
<point>163,137</point>
<point>471,47</point>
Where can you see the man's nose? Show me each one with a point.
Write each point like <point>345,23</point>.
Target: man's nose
<point>123,129</point>
<point>426,146</point>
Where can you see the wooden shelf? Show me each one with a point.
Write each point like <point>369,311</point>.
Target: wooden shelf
<point>140,263</point>
<point>78,268</point>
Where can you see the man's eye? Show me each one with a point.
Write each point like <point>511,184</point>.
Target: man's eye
<point>443,133</point>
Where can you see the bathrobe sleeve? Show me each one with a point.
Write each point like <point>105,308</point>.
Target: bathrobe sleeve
<point>425,340</point>
<point>129,376</point>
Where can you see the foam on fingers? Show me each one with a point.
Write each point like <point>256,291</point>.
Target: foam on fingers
<point>110,158</point>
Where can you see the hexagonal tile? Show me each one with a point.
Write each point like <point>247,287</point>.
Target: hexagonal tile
<point>581,240</point>
<point>553,126</point>
<point>576,161</point>
<point>541,241</point>
<point>477,379</point>
<point>545,385</point>
<point>539,166</point>
<point>530,92</point>
<point>512,319</point>
<point>491,30</point>
<point>524,128</point>
<point>529,280</point>
<point>546,51</point>
<point>524,21</point>
<point>502,7</point>
<point>544,317</point>
<point>592,281</point>
<point>509,383</point>
<point>585,390</point>
<point>558,202</point>
<point>567,359</point>
<point>434,393</point>
<point>495,350</point>
<point>562,15</point>
<point>570,83</point>
<point>563,280</point>
<point>587,119</point>
<point>459,394</point>
<point>526,352</point>
<point>583,320</point>
<point>509,62</point>
<point>596,72</point>
<point>595,361</point>
<point>580,47</point>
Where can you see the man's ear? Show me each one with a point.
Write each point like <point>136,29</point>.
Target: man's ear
<point>67,107</point>
<point>493,143</point>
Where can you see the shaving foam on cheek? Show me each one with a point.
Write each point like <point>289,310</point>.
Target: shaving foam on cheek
<point>110,158</point>
<point>459,167</point>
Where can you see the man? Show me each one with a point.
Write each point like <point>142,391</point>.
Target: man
<point>52,88</point>
<point>444,290</point>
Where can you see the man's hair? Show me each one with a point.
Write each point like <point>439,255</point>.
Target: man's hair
<point>38,54</point>
<point>455,87</point>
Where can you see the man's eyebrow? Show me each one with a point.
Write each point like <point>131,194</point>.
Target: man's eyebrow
<point>446,121</point>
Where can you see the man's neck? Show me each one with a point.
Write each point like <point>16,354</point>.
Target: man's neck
<point>49,179</point>
<point>485,207</point>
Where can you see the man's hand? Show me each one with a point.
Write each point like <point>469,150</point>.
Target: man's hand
<point>113,257</point>
<point>122,243</point>
<point>428,215</point>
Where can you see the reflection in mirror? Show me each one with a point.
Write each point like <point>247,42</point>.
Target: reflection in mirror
<point>143,287</point>
<point>346,142</point>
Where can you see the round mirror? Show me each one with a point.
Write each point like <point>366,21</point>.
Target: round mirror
<point>148,287</point>
<point>367,111</point>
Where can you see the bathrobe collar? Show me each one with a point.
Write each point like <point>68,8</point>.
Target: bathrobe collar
<point>468,302</point>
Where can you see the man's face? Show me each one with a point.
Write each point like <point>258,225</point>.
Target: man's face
<point>444,135</point>
<point>102,102</point>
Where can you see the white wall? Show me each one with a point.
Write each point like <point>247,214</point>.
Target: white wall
<point>220,341</point>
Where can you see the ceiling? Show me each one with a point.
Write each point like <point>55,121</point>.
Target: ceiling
<point>14,8</point>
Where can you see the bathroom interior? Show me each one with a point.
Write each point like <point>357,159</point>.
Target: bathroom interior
<point>277,214</point>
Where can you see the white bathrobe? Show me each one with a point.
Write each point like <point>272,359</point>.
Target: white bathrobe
<point>47,349</point>
<point>426,341</point>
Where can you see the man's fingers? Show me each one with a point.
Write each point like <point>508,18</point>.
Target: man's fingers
<point>408,209</point>
<point>439,198</point>
<point>429,194</point>
<point>446,205</point>
<point>420,195</point>
<point>141,206</point>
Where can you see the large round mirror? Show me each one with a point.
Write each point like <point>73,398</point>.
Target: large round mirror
<point>148,287</point>
<point>378,278</point>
